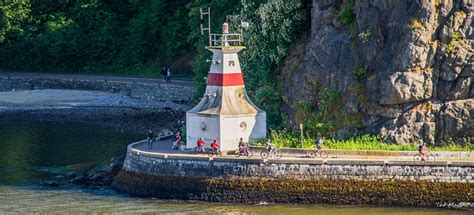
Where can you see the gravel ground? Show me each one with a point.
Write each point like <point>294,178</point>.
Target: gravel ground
<point>91,106</point>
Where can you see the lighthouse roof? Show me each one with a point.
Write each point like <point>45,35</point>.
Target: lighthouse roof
<point>226,101</point>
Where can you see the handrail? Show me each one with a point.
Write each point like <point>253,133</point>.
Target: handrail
<point>225,39</point>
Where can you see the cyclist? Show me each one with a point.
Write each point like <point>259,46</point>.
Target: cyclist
<point>242,146</point>
<point>268,145</point>
<point>319,143</point>
<point>200,145</point>
<point>177,139</point>
<point>215,146</point>
<point>421,151</point>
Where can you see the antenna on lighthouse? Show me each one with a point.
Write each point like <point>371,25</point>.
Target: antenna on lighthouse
<point>208,28</point>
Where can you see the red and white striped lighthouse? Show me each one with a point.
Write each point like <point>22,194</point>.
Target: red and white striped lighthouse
<point>225,112</point>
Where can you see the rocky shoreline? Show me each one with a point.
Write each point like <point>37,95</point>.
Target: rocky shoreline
<point>109,109</point>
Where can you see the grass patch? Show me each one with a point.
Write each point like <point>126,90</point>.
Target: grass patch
<point>416,24</point>
<point>291,139</point>
<point>455,38</point>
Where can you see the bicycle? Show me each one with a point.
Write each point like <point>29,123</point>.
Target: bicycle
<point>273,152</point>
<point>244,152</point>
<point>317,153</point>
<point>199,150</point>
<point>212,152</point>
<point>175,145</point>
<point>427,157</point>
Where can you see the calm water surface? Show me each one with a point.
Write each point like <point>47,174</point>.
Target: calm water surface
<point>32,152</point>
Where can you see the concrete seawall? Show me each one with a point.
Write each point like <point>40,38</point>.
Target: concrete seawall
<point>333,181</point>
<point>185,165</point>
<point>143,88</point>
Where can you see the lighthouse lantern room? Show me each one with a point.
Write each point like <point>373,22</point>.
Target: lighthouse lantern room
<point>225,112</point>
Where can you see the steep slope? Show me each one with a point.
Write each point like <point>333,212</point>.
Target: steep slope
<point>403,69</point>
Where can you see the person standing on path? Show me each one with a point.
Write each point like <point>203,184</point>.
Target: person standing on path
<point>168,75</point>
<point>151,139</point>
<point>163,73</point>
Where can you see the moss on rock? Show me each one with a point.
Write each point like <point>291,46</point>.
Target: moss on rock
<point>255,190</point>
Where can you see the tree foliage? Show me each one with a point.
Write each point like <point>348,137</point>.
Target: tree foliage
<point>143,35</point>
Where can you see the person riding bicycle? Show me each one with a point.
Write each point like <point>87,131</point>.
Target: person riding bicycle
<point>242,146</point>
<point>177,139</point>
<point>421,150</point>
<point>214,146</point>
<point>200,144</point>
<point>268,145</point>
<point>319,143</point>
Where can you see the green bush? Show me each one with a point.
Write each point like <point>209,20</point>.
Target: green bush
<point>359,72</point>
<point>347,16</point>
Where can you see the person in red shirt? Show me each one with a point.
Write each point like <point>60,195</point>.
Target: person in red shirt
<point>200,142</point>
<point>200,146</point>
<point>214,145</point>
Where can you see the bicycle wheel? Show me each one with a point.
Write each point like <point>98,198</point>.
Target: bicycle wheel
<point>430,157</point>
<point>264,154</point>
<point>417,157</point>
<point>237,153</point>
<point>210,153</point>
<point>249,153</point>
<point>323,154</point>
<point>277,154</point>
<point>311,154</point>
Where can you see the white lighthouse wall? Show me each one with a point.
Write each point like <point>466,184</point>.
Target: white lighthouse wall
<point>231,63</point>
<point>194,131</point>
<point>231,130</point>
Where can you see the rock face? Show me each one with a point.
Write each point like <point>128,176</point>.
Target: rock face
<point>406,67</point>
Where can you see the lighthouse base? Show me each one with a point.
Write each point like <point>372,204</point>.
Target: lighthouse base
<point>227,130</point>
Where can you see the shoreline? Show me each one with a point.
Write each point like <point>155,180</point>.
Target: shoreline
<point>102,108</point>
<point>301,191</point>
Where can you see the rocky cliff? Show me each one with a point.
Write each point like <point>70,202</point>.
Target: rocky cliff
<point>404,69</point>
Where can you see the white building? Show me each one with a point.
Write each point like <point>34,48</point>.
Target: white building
<point>225,112</point>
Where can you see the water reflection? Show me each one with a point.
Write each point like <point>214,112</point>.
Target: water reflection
<point>28,147</point>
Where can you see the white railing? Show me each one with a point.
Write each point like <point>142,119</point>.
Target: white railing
<point>225,39</point>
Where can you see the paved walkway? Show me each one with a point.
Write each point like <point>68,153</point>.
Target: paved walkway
<point>164,147</point>
<point>111,78</point>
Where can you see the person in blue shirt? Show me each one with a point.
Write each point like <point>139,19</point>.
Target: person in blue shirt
<point>319,143</point>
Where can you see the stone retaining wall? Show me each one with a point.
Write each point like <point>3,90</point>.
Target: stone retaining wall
<point>242,180</point>
<point>182,91</point>
<point>181,165</point>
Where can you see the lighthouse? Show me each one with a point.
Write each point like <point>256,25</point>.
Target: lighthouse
<point>225,112</point>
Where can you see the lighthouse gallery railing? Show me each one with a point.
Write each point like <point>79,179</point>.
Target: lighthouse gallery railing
<point>225,39</point>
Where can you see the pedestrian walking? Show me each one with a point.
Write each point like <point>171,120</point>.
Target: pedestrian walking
<point>168,75</point>
<point>151,139</point>
<point>163,73</point>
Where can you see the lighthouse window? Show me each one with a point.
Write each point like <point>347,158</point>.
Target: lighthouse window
<point>243,125</point>
<point>203,126</point>
<point>231,63</point>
